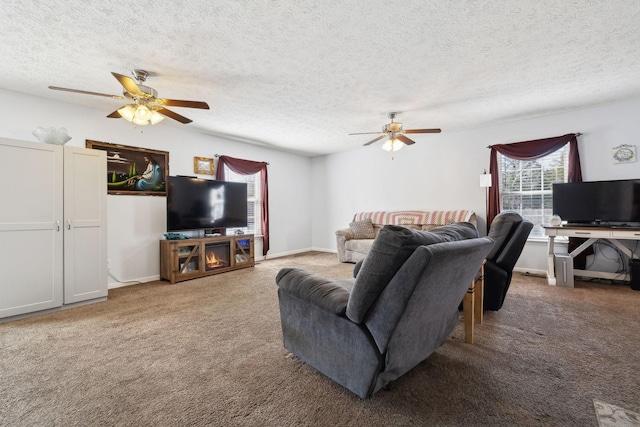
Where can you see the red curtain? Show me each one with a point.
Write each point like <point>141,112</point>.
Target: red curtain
<point>249,167</point>
<point>529,150</point>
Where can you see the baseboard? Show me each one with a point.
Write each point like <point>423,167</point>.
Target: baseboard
<point>119,284</point>
<point>52,310</point>
<point>283,254</point>
<point>296,252</point>
<point>331,251</point>
<point>531,271</point>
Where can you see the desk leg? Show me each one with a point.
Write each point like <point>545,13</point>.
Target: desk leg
<point>468,307</point>
<point>551,277</point>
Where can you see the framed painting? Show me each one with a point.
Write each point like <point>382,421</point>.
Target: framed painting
<point>203,165</point>
<point>133,170</point>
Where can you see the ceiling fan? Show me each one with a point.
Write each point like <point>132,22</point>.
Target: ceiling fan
<point>396,134</point>
<point>146,108</point>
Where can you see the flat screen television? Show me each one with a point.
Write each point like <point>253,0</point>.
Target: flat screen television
<point>201,204</point>
<point>600,203</point>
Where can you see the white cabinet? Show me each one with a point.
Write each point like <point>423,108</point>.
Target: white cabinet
<point>53,226</point>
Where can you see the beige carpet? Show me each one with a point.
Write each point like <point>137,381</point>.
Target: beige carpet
<point>209,352</point>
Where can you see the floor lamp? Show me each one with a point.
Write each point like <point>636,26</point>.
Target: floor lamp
<point>485,182</point>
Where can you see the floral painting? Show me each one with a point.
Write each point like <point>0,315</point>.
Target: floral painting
<point>132,170</point>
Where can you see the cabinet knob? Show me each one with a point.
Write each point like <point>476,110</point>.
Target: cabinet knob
<point>68,224</point>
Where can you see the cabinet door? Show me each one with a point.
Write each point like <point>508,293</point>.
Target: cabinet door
<point>189,260</point>
<point>243,250</point>
<point>30,227</point>
<point>85,224</point>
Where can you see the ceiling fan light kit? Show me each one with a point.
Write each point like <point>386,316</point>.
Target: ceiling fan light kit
<point>392,145</point>
<point>140,115</point>
<point>394,130</point>
<point>147,108</point>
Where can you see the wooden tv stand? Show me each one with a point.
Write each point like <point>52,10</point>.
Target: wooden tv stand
<point>198,257</point>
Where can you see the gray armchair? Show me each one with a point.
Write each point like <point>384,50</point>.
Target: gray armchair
<point>366,332</point>
<point>509,230</point>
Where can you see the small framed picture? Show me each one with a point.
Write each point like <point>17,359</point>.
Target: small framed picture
<point>624,153</point>
<point>203,165</point>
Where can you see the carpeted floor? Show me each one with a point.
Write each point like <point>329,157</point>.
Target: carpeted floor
<point>209,352</point>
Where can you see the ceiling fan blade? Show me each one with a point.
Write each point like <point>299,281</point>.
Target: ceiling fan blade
<point>115,115</point>
<point>422,131</point>
<point>128,83</point>
<point>174,116</point>
<point>374,140</point>
<point>406,140</point>
<point>84,92</point>
<point>365,133</point>
<point>187,104</point>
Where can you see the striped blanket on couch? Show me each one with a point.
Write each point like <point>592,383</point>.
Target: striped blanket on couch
<point>353,243</point>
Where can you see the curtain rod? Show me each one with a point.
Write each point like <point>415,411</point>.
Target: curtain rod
<point>218,155</point>
<point>577,134</point>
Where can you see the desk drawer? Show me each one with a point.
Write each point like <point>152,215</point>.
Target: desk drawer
<point>587,234</point>
<point>626,234</point>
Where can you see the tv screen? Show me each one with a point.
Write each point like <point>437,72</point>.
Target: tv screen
<point>614,203</point>
<point>197,204</point>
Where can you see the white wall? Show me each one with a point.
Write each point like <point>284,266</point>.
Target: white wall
<point>136,223</point>
<point>441,172</point>
<point>311,198</point>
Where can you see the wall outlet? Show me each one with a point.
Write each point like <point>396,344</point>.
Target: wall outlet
<point>108,265</point>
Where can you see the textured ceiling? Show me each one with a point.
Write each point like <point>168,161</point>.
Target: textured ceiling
<point>302,75</point>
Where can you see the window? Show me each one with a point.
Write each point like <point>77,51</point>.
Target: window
<point>526,186</point>
<point>254,221</point>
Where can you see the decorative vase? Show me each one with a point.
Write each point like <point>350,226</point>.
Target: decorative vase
<point>57,136</point>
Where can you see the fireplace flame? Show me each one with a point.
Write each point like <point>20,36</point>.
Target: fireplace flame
<point>213,261</point>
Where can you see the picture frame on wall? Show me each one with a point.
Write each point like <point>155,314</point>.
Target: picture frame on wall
<point>203,165</point>
<point>624,153</point>
<point>133,170</point>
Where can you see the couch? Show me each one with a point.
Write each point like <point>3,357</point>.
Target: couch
<point>367,331</point>
<point>354,243</point>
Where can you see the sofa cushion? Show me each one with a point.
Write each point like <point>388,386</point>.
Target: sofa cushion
<point>391,248</point>
<point>362,229</point>
<point>361,246</point>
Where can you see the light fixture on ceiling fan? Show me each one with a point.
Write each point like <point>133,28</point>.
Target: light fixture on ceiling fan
<point>147,108</point>
<point>143,112</point>
<point>140,114</point>
<point>394,130</point>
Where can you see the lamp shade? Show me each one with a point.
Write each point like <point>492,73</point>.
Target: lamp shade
<point>485,180</point>
<point>127,112</point>
<point>393,145</point>
<point>142,115</point>
<point>156,117</point>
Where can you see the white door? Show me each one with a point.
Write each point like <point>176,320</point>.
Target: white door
<point>31,237</point>
<point>85,224</point>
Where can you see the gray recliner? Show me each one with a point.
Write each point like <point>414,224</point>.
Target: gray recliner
<point>509,230</point>
<point>403,304</point>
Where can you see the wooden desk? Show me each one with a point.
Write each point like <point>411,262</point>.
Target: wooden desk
<point>592,234</point>
<point>472,305</point>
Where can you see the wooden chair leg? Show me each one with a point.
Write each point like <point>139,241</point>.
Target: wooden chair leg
<point>479,297</point>
<point>468,307</point>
